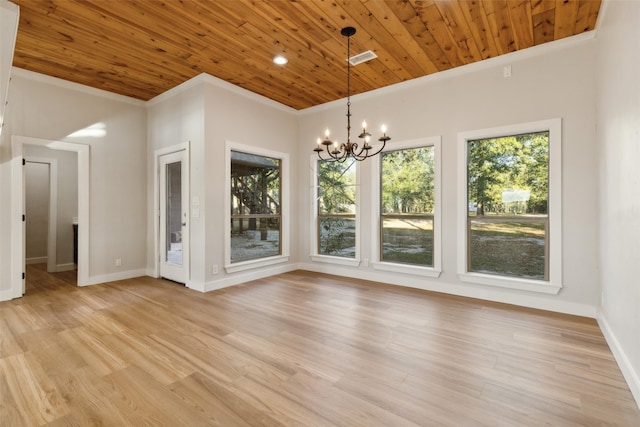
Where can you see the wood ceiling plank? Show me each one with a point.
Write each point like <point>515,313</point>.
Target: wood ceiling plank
<point>143,48</point>
<point>296,77</point>
<point>459,31</point>
<point>404,40</point>
<point>476,18</point>
<point>436,25</point>
<point>286,39</point>
<point>500,25</point>
<point>97,49</point>
<point>373,35</point>
<point>540,6</point>
<point>365,77</point>
<point>522,23</point>
<point>414,25</point>
<point>587,15</point>
<point>87,65</point>
<point>543,24</point>
<point>565,19</point>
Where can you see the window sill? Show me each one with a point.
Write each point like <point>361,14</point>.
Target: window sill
<point>350,262</point>
<point>511,283</point>
<point>255,263</point>
<point>408,269</point>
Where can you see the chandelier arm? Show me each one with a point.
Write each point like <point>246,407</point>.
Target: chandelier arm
<point>349,149</point>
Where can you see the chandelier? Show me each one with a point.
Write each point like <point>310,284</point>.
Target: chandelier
<point>339,152</point>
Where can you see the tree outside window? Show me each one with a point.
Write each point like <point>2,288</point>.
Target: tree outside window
<point>336,204</point>
<point>407,206</point>
<point>256,215</point>
<point>507,199</point>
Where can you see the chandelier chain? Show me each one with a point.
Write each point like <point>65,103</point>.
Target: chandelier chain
<point>349,150</point>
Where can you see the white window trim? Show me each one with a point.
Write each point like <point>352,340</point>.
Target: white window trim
<point>284,208</point>
<point>315,256</point>
<point>553,286</point>
<point>436,270</point>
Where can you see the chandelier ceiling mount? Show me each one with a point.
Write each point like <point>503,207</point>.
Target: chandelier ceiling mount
<point>339,152</point>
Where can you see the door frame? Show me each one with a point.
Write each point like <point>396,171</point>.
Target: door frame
<point>17,207</point>
<point>186,260</point>
<point>52,235</point>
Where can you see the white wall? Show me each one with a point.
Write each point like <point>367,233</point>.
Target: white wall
<point>618,119</point>
<point>115,129</point>
<point>37,195</point>
<point>207,112</point>
<point>556,81</point>
<point>67,199</point>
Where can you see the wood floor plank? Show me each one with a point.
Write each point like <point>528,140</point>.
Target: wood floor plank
<point>302,349</point>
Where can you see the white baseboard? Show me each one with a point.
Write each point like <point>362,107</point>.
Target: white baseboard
<point>630,375</point>
<point>9,294</point>
<point>247,276</point>
<point>112,277</point>
<point>488,293</point>
<point>37,260</point>
<point>65,267</point>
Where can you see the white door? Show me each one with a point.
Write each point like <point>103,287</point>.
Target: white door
<point>174,227</point>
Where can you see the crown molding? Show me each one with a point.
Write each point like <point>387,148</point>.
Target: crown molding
<point>484,64</point>
<point>205,78</point>
<point>65,84</point>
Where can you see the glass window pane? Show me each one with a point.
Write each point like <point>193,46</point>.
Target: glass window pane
<point>253,238</point>
<point>255,206</point>
<point>407,181</point>
<point>337,236</point>
<point>508,248</point>
<point>173,226</point>
<point>337,187</point>
<point>508,175</point>
<point>408,240</point>
<point>255,184</point>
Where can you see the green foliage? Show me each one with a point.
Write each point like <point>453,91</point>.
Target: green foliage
<point>336,187</point>
<point>518,162</point>
<point>407,181</point>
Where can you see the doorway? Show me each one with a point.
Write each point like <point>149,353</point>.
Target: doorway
<point>173,218</point>
<point>41,211</point>
<point>18,235</point>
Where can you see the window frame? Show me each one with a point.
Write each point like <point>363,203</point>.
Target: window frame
<point>378,264</point>
<point>554,209</point>
<point>315,217</point>
<point>284,208</point>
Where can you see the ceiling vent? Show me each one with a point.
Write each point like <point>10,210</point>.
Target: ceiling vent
<point>362,57</point>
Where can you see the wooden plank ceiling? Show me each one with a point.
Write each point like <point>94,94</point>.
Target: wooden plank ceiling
<point>146,47</point>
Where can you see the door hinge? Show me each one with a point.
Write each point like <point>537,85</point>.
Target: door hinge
<point>24,218</point>
<point>24,276</point>
<point>24,162</point>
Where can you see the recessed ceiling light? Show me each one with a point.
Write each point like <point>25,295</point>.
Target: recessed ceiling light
<point>280,60</point>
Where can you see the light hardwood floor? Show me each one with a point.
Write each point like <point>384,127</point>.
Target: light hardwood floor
<point>297,349</point>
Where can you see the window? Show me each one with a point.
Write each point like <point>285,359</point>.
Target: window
<point>336,205</point>
<point>255,206</point>
<point>407,206</point>
<point>257,192</point>
<point>507,204</point>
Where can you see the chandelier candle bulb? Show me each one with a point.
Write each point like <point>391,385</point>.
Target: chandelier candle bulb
<point>350,149</point>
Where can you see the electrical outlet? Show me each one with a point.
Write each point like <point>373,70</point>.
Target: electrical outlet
<point>118,262</point>
<point>214,270</point>
<point>365,262</point>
